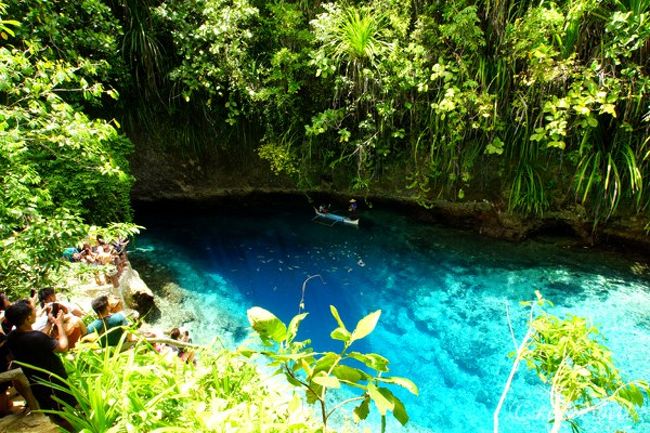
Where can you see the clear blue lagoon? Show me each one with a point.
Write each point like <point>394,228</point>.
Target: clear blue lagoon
<point>443,295</point>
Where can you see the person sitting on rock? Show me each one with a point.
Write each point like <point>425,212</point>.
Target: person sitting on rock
<point>35,349</point>
<point>47,295</point>
<point>71,254</point>
<point>184,336</point>
<point>107,257</point>
<point>119,246</point>
<point>11,375</point>
<point>109,326</point>
<point>104,255</point>
<point>72,314</point>
<point>86,254</point>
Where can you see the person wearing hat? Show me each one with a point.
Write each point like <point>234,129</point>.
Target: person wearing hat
<point>353,209</point>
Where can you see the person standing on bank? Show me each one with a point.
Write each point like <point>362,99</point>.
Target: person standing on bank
<point>39,350</point>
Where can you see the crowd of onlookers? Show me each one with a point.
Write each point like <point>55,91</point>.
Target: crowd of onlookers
<point>112,256</point>
<point>34,330</point>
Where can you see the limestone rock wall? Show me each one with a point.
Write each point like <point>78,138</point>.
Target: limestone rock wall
<point>135,293</point>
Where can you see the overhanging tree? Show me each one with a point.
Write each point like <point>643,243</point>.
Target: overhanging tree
<point>59,169</point>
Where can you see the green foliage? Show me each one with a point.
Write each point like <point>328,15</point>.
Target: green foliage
<point>6,26</point>
<point>568,354</point>
<point>319,372</point>
<point>142,390</point>
<point>537,105</point>
<point>59,169</point>
<point>280,158</point>
<point>528,191</point>
<point>213,37</point>
<point>549,96</point>
<point>349,39</point>
<point>141,48</point>
<point>81,33</point>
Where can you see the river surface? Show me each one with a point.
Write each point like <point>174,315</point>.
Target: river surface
<point>444,296</point>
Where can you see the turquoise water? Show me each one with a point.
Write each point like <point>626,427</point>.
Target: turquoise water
<point>443,295</point>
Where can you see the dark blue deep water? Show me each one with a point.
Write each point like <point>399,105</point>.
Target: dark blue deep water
<point>443,295</point>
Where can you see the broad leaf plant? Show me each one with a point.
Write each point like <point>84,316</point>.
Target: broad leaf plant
<point>319,372</point>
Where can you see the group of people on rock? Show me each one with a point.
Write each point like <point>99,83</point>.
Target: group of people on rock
<point>34,330</point>
<point>102,253</point>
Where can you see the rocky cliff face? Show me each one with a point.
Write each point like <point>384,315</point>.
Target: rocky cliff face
<point>161,175</point>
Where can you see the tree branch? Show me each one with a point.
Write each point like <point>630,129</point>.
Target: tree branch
<point>344,402</point>
<point>513,370</point>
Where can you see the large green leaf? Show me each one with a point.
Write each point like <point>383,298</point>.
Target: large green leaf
<point>266,324</point>
<point>341,334</point>
<point>313,392</point>
<point>401,381</point>
<point>292,380</point>
<point>633,394</point>
<point>399,411</point>
<point>372,360</point>
<point>325,362</point>
<point>293,326</point>
<point>327,381</point>
<point>361,412</point>
<point>349,374</point>
<point>366,326</point>
<point>382,403</point>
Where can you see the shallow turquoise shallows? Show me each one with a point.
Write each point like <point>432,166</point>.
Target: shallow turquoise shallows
<point>444,296</point>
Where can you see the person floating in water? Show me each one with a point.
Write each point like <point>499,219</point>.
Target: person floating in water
<point>353,210</point>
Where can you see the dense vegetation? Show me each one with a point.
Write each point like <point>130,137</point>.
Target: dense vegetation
<point>155,393</point>
<point>61,170</point>
<point>532,105</point>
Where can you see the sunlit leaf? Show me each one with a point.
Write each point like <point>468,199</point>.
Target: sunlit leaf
<point>349,374</point>
<point>327,381</point>
<point>341,334</point>
<point>382,403</point>
<point>293,326</point>
<point>403,382</point>
<point>365,326</point>
<point>372,360</point>
<point>266,324</point>
<point>335,314</point>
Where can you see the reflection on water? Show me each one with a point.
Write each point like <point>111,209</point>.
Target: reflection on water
<point>443,296</point>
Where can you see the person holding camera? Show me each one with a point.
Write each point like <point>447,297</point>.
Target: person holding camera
<point>33,348</point>
<point>72,317</point>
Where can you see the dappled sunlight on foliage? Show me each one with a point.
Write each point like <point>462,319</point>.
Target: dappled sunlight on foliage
<point>140,389</point>
<point>547,101</point>
<point>60,169</point>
